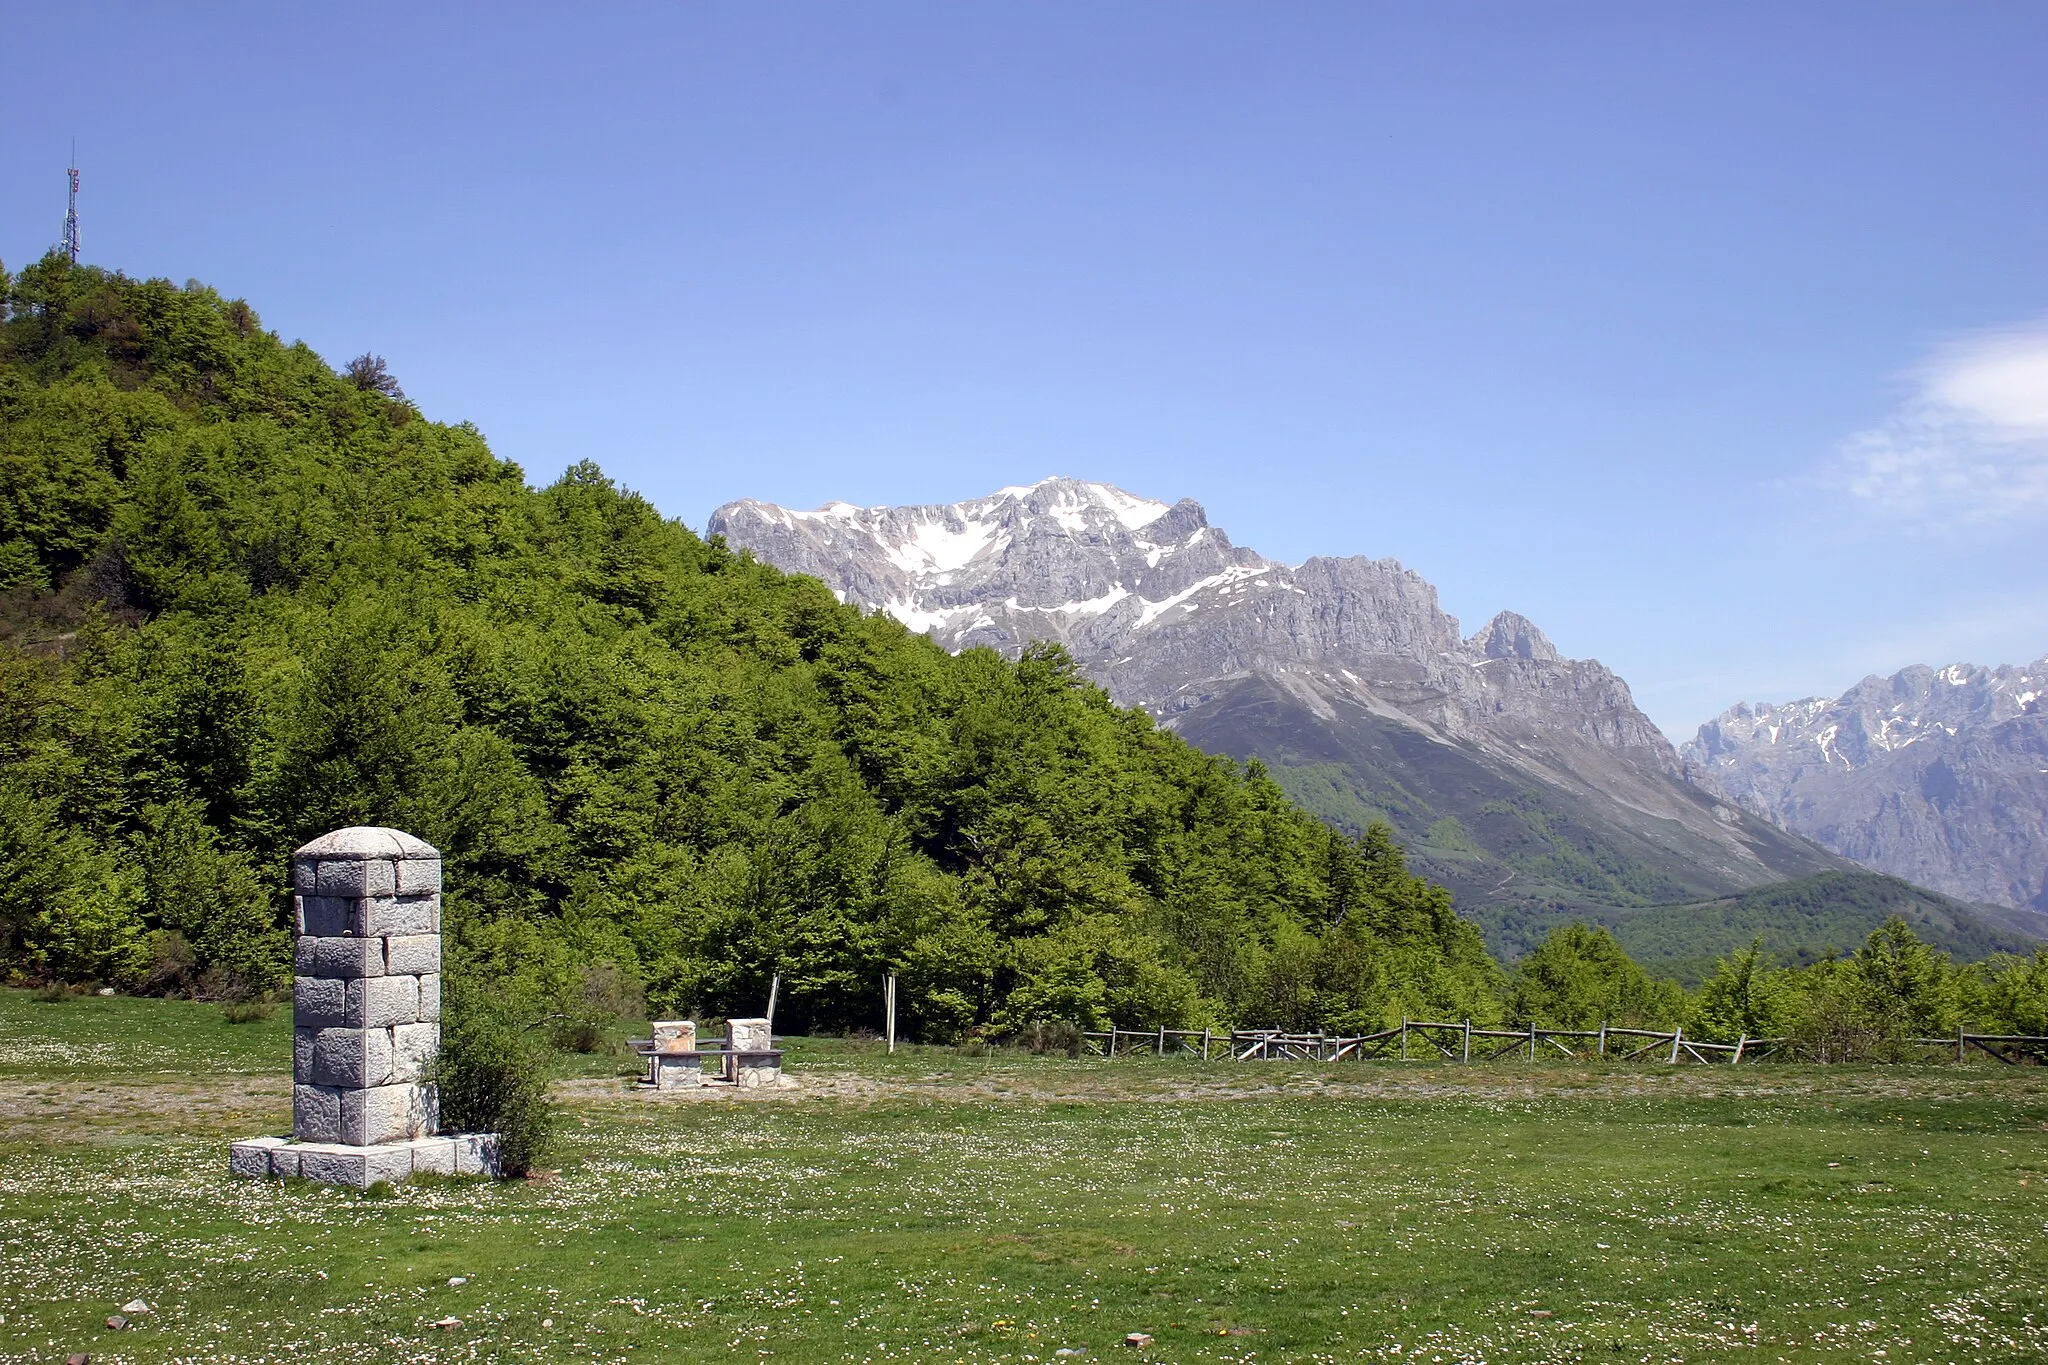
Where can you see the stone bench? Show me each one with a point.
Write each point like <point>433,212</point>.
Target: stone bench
<point>667,1070</point>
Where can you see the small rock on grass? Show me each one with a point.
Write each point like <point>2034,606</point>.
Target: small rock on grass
<point>448,1324</point>
<point>78,1358</point>
<point>1139,1339</point>
<point>116,1323</point>
<point>135,1308</point>
<point>456,1281</point>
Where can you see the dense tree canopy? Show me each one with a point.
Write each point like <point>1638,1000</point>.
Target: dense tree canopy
<point>248,599</point>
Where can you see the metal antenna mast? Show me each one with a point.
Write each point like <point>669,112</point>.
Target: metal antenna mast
<point>70,246</point>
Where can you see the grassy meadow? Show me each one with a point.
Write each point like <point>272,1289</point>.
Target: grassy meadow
<point>939,1206</point>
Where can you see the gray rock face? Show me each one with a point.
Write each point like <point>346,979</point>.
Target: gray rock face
<point>1163,610</point>
<point>1940,777</point>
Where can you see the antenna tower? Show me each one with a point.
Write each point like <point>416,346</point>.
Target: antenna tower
<point>70,245</point>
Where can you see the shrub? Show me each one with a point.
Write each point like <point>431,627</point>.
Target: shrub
<point>493,1078</point>
<point>592,1013</point>
<point>1045,1037</point>
<point>246,1011</point>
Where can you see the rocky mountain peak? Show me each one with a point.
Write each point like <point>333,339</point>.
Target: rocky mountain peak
<point>1159,606</point>
<point>1511,635</point>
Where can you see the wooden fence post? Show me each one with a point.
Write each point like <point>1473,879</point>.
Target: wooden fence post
<point>1159,1048</point>
<point>1603,1038</point>
<point>1404,1040</point>
<point>1959,1042</point>
<point>1676,1034</point>
<point>1205,1044</point>
<point>774,989</point>
<point>1740,1043</point>
<point>889,1002</point>
<point>1468,1040</point>
<point>1532,1042</point>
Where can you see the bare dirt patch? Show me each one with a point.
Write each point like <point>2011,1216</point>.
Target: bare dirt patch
<point>116,1110</point>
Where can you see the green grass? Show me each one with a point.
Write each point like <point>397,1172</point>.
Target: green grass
<point>934,1206</point>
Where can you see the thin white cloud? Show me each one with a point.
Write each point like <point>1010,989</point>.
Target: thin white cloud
<point>1970,446</point>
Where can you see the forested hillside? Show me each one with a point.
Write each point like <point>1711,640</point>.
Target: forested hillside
<point>248,599</point>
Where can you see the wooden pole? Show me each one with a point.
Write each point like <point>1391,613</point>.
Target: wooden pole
<point>1205,1044</point>
<point>1159,1048</point>
<point>1404,1040</point>
<point>1959,1042</point>
<point>1603,1038</point>
<point>1676,1034</point>
<point>1532,1042</point>
<point>890,1005</point>
<point>1740,1043</point>
<point>1468,1040</point>
<point>774,989</point>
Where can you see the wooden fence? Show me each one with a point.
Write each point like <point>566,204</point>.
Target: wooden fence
<point>1461,1042</point>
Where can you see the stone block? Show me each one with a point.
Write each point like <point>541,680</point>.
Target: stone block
<point>433,1156</point>
<point>401,916</point>
<point>412,1050</point>
<point>304,954</point>
<point>353,877</point>
<point>339,877</point>
<point>385,1113</point>
<point>319,1002</point>
<point>324,916</point>
<point>303,1042</point>
<point>419,876</point>
<point>252,1157</point>
<point>675,1035</point>
<point>316,1113</point>
<point>748,1035</point>
<point>352,1057</point>
<point>347,958</point>
<point>359,1165</point>
<point>382,1001</point>
<point>678,1070</point>
<point>284,1162</point>
<point>305,875</point>
<point>412,954</point>
<point>476,1153</point>
<point>430,998</point>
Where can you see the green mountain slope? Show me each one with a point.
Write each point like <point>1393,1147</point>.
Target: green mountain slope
<point>1804,920</point>
<point>246,599</point>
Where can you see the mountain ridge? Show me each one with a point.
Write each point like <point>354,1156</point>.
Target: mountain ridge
<point>1346,667</point>
<point>1939,776</point>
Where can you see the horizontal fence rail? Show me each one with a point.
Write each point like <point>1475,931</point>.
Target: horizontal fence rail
<point>1436,1040</point>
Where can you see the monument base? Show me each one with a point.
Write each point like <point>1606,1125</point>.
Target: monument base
<point>335,1163</point>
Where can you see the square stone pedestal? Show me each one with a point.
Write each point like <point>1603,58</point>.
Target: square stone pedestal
<point>337,1163</point>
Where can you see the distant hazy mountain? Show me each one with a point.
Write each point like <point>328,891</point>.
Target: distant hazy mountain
<point>1526,781</point>
<point>1938,777</point>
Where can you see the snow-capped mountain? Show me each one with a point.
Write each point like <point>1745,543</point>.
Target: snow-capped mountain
<point>1937,776</point>
<point>1513,771</point>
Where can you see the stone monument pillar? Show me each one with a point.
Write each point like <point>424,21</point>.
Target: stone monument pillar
<point>366,1018</point>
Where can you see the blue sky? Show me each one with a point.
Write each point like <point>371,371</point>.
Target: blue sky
<point>1712,337</point>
